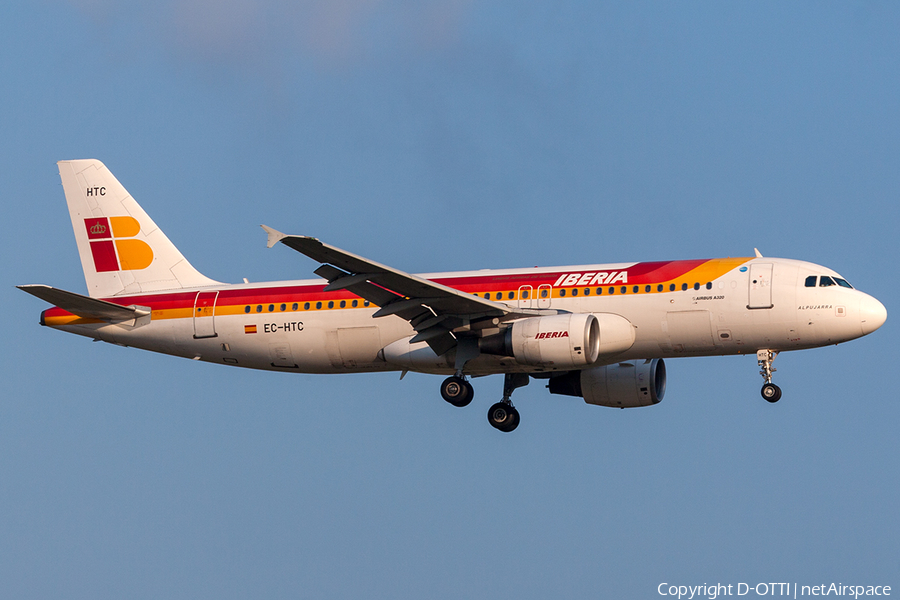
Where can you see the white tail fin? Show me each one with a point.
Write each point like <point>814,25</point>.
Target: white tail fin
<point>122,250</point>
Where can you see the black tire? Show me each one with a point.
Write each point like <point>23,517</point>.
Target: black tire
<point>771,392</point>
<point>503,417</point>
<point>515,420</point>
<point>457,391</point>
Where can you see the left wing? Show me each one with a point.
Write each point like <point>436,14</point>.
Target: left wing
<point>437,312</point>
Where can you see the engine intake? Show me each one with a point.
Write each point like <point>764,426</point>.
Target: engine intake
<point>621,385</point>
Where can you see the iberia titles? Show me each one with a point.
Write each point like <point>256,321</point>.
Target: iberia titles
<point>588,279</point>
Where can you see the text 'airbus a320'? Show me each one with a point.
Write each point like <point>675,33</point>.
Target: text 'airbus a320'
<point>597,331</point>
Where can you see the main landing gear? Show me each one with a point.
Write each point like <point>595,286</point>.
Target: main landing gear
<point>457,391</point>
<point>502,415</point>
<point>770,391</point>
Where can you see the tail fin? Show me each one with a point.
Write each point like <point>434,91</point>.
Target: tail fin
<point>122,250</point>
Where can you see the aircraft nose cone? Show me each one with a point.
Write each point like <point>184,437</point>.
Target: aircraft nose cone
<point>872,314</point>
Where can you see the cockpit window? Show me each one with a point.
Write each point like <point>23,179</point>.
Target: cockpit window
<point>843,283</point>
<point>826,281</point>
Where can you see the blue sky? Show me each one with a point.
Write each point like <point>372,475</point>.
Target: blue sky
<point>440,136</point>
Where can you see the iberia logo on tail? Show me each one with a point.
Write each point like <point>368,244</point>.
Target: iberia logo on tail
<point>113,246</point>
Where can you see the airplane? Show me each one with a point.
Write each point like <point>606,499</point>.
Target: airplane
<point>600,331</point>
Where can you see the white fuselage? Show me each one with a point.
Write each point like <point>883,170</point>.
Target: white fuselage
<point>761,303</point>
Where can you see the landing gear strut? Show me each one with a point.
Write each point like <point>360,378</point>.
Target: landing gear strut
<point>503,415</point>
<point>457,391</point>
<point>770,391</point>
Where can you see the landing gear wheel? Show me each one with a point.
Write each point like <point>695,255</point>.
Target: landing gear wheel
<point>771,392</point>
<point>503,416</point>
<point>457,391</point>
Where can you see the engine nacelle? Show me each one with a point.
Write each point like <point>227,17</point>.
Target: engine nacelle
<point>621,385</point>
<point>569,340</point>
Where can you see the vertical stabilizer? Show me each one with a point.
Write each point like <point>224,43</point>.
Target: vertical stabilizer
<point>122,250</point>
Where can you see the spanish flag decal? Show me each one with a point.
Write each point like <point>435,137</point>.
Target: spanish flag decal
<point>249,328</point>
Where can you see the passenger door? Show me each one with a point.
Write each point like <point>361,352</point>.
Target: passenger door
<point>760,286</point>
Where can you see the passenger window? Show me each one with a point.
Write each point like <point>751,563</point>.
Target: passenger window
<point>562,293</point>
<point>318,305</point>
<point>624,290</point>
<point>524,294</point>
<point>511,295</point>
<point>294,306</point>
<point>544,293</point>
<point>683,287</point>
<point>671,287</point>
<point>709,285</point>
<point>499,295</point>
<point>283,307</point>
<point>647,288</point>
<point>599,291</point>
<point>696,286</point>
<point>575,292</point>
<point>355,303</point>
<point>612,290</point>
<point>635,289</point>
<point>343,304</point>
<point>271,307</point>
<point>259,308</point>
<point>825,281</point>
<point>306,306</point>
<point>246,309</point>
<point>587,291</point>
<point>659,288</point>
<point>811,281</point>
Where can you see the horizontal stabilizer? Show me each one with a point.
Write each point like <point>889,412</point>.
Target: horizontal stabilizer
<point>83,306</point>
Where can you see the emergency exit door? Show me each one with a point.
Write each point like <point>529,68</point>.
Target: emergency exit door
<point>205,314</point>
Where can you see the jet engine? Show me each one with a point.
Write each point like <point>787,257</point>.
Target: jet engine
<point>621,385</point>
<point>562,341</point>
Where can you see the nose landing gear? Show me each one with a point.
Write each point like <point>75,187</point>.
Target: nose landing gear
<point>770,392</point>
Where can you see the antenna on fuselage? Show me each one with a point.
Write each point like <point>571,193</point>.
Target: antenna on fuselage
<point>758,254</point>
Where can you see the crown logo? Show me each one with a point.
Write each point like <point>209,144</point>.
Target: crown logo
<point>98,228</point>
